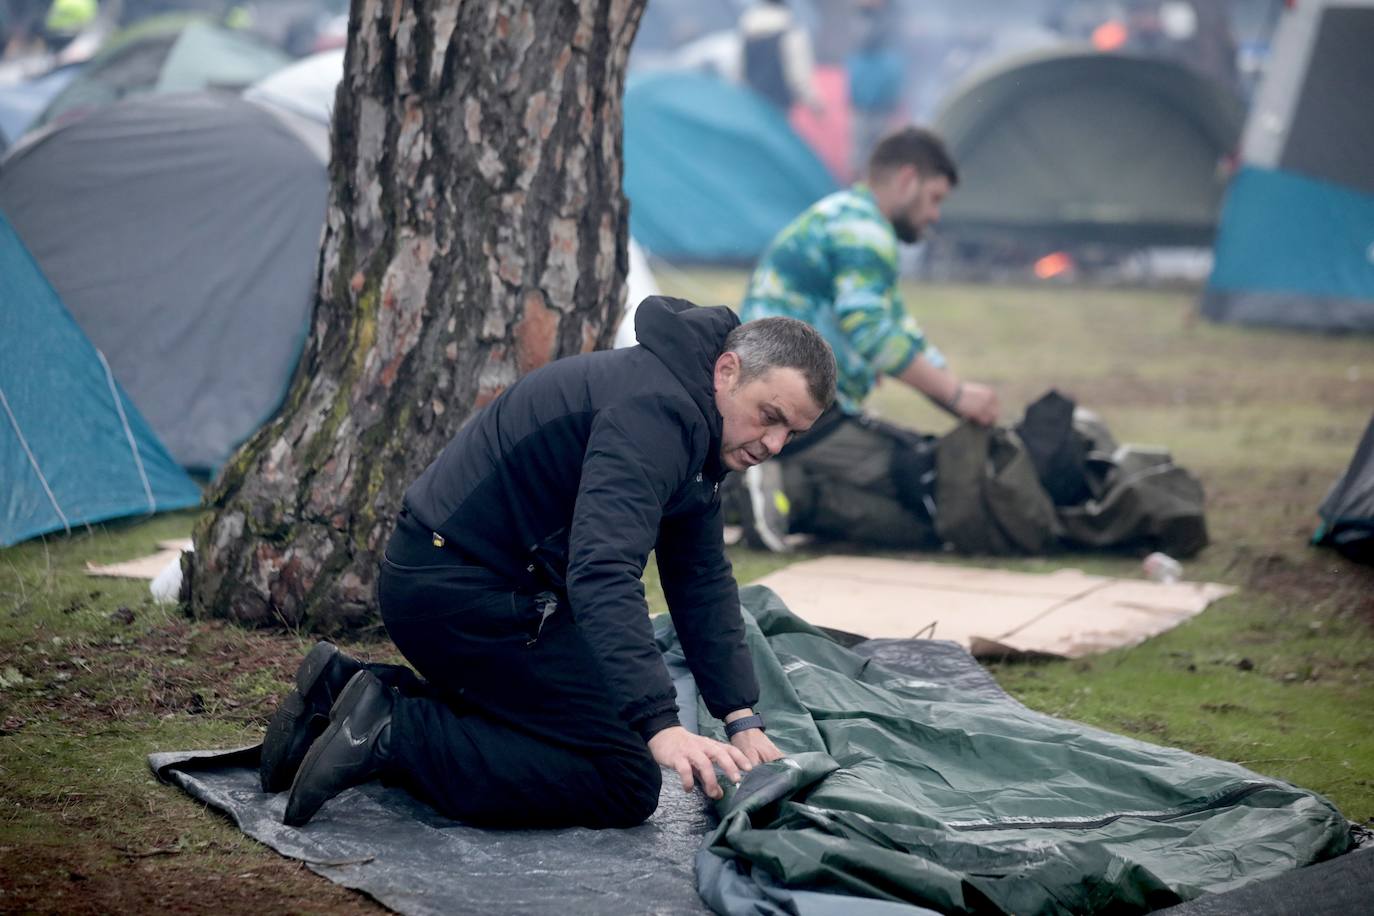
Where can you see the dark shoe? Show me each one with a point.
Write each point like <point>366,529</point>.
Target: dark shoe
<point>351,751</point>
<point>303,714</point>
<point>764,518</point>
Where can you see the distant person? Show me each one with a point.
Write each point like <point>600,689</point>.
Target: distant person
<point>66,19</point>
<point>22,28</point>
<point>1194,35</point>
<point>777,60</point>
<point>1202,39</point>
<point>835,267</point>
<point>876,73</point>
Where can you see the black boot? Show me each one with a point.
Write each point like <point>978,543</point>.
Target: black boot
<point>303,714</point>
<point>351,751</point>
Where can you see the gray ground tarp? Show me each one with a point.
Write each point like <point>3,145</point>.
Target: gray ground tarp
<point>1340,887</point>
<point>383,842</point>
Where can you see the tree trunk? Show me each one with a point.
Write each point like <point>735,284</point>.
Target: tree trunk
<point>476,230</point>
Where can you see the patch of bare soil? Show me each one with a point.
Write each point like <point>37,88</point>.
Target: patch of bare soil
<point>106,851</point>
<point>195,668</point>
<point>86,879</point>
<point>1323,581</point>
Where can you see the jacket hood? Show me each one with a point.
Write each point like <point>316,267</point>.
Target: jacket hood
<point>688,338</point>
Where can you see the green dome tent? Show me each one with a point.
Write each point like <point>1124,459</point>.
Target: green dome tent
<point>1074,146</point>
<point>172,53</point>
<point>711,170</point>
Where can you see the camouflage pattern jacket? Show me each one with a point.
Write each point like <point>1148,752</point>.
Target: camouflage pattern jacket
<point>835,267</point>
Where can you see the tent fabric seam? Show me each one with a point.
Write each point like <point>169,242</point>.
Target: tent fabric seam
<point>33,462</point>
<point>128,433</point>
<point>1220,799</point>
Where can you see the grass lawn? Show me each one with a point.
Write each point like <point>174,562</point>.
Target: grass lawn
<point>1279,677</point>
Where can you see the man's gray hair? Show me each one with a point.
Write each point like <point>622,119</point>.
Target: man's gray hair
<point>785,343</point>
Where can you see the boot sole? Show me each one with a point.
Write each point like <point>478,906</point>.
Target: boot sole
<point>274,771</point>
<point>316,661</point>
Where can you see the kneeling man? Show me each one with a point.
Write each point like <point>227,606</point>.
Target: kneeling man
<point>512,585</point>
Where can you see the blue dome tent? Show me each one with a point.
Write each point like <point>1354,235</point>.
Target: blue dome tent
<point>182,231</point>
<point>73,448</point>
<point>712,171</point>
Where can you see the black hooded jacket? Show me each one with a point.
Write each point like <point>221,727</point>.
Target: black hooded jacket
<point>576,472</point>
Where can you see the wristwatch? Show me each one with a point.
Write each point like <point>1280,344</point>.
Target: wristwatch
<point>743,725</point>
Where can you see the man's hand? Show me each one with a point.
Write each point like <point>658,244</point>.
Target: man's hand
<point>756,746</point>
<point>977,403</point>
<point>752,741</point>
<point>678,749</point>
<point>966,400</point>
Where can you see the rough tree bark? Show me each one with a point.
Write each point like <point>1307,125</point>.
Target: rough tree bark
<point>476,230</point>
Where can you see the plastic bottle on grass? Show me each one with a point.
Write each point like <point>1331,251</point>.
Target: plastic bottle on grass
<point>1160,567</point>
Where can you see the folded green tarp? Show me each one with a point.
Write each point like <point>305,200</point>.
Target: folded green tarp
<point>910,791</point>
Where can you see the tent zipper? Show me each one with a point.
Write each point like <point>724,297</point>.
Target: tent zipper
<point>1217,800</point>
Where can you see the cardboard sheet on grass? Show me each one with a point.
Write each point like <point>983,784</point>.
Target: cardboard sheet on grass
<point>990,612</point>
<point>911,784</point>
<point>142,567</point>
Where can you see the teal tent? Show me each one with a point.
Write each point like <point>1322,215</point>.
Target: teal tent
<point>73,448</point>
<point>1296,243</point>
<point>711,170</point>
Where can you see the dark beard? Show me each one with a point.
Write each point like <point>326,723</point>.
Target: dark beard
<point>908,233</point>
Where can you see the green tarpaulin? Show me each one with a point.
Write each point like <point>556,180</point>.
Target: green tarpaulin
<point>909,791</point>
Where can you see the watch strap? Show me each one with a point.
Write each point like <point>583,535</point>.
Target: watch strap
<point>744,724</point>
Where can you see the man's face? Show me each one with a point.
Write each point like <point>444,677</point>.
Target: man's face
<point>761,414</point>
<point>918,205</point>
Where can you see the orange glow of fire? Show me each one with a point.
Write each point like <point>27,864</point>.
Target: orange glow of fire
<point>1110,36</point>
<point>1052,265</point>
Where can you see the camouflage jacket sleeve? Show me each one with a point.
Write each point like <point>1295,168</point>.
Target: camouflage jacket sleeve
<point>868,308</point>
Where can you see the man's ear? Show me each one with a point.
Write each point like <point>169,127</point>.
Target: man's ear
<point>727,371</point>
<point>910,178</point>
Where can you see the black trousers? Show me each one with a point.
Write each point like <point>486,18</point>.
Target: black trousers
<point>515,728</point>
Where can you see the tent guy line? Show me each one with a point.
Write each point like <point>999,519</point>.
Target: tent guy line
<point>128,433</point>
<point>24,442</point>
